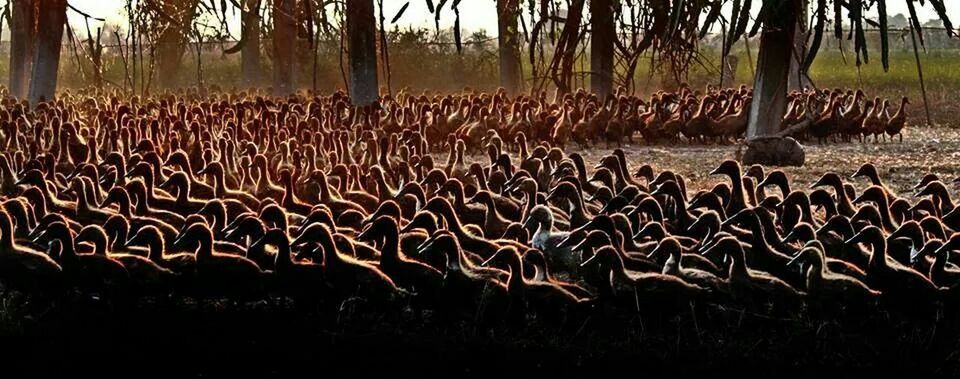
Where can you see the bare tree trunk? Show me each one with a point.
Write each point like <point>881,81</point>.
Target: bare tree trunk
<point>799,79</point>
<point>362,37</point>
<point>509,45</point>
<point>770,91</point>
<point>250,56</point>
<point>601,47</point>
<point>173,41</point>
<point>284,46</point>
<point>22,45</point>
<point>52,16</point>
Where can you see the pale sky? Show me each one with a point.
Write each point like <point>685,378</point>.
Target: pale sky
<point>474,14</point>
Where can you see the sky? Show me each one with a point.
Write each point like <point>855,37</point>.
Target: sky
<point>474,14</point>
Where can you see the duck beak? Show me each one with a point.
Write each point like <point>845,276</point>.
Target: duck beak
<point>589,261</point>
<point>656,251</point>
<point>486,263</point>
<point>364,234</point>
<point>298,241</point>
<point>859,199</point>
<point>715,171</point>
<point>855,239</point>
<point>529,223</point>
<point>789,237</point>
<point>709,250</point>
<point>946,248</point>
<point>818,183</point>
<point>579,246</point>
<point>424,247</point>
<point>796,258</point>
<point>39,236</point>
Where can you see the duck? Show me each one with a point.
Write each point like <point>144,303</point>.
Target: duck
<point>408,273</point>
<point>219,273</point>
<point>183,264</point>
<point>893,279</point>
<point>869,171</point>
<point>494,224</point>
<point>299,279</point>
<point>826,285</point>
<point>749,285</point>
<point>348,276</point>
<point>540,297</point>
<point>650,289</point>
<point>674,265</point>
<point>471,288</point>
<point>91,272</point>
<point>147,277</point>
<point>844,205</point>
<point>25,269</point>
<point>547,240</point>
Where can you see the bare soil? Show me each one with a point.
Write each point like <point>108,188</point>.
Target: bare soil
<point>901,165</point>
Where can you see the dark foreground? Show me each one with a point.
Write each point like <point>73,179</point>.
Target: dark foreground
<point>277,341</point>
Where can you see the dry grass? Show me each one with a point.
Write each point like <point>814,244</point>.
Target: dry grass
<point>923,150</point>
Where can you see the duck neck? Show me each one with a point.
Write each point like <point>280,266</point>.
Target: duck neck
<point>283,259</point>
<point>6,234</point>
<point>939,265</point>
<point>516,280</point>
<point>946,203</point>
<point>736,196</point>
<point>738,268</point>
<point>390,253</point>
<point>672,265</point>
<point>885,217</point>
<point>454,258</point>
<point>205,250</point>
<point>879,256</point>
<point>123,204</point>
<point>844,206</point>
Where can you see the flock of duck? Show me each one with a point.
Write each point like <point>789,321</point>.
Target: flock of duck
<point>230,196</point>
<point>714,114</point>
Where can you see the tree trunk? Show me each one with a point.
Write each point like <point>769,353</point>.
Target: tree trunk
<point>799,79</point>
<point>173,40</point>
<point>601,47</point>
<point>51,18</point>
<point>362,38</point>
<point>770,90</point>
<point>509,45</point>
<point>22,45</point>
<point>250,55</point>
<point>284,46</point>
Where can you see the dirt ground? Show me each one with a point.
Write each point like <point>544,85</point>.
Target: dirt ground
<point>901,165</point>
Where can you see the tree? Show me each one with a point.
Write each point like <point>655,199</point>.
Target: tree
<point>176,19</point>
<point>51,18</point>
<point>284,46</point>
<point>780,21</point>
<point>601,46</point>
<point>23,28</point>
<point>362,54</point>
<point>770,89</point>
<point>509,45</point>
<point>250,54</point>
